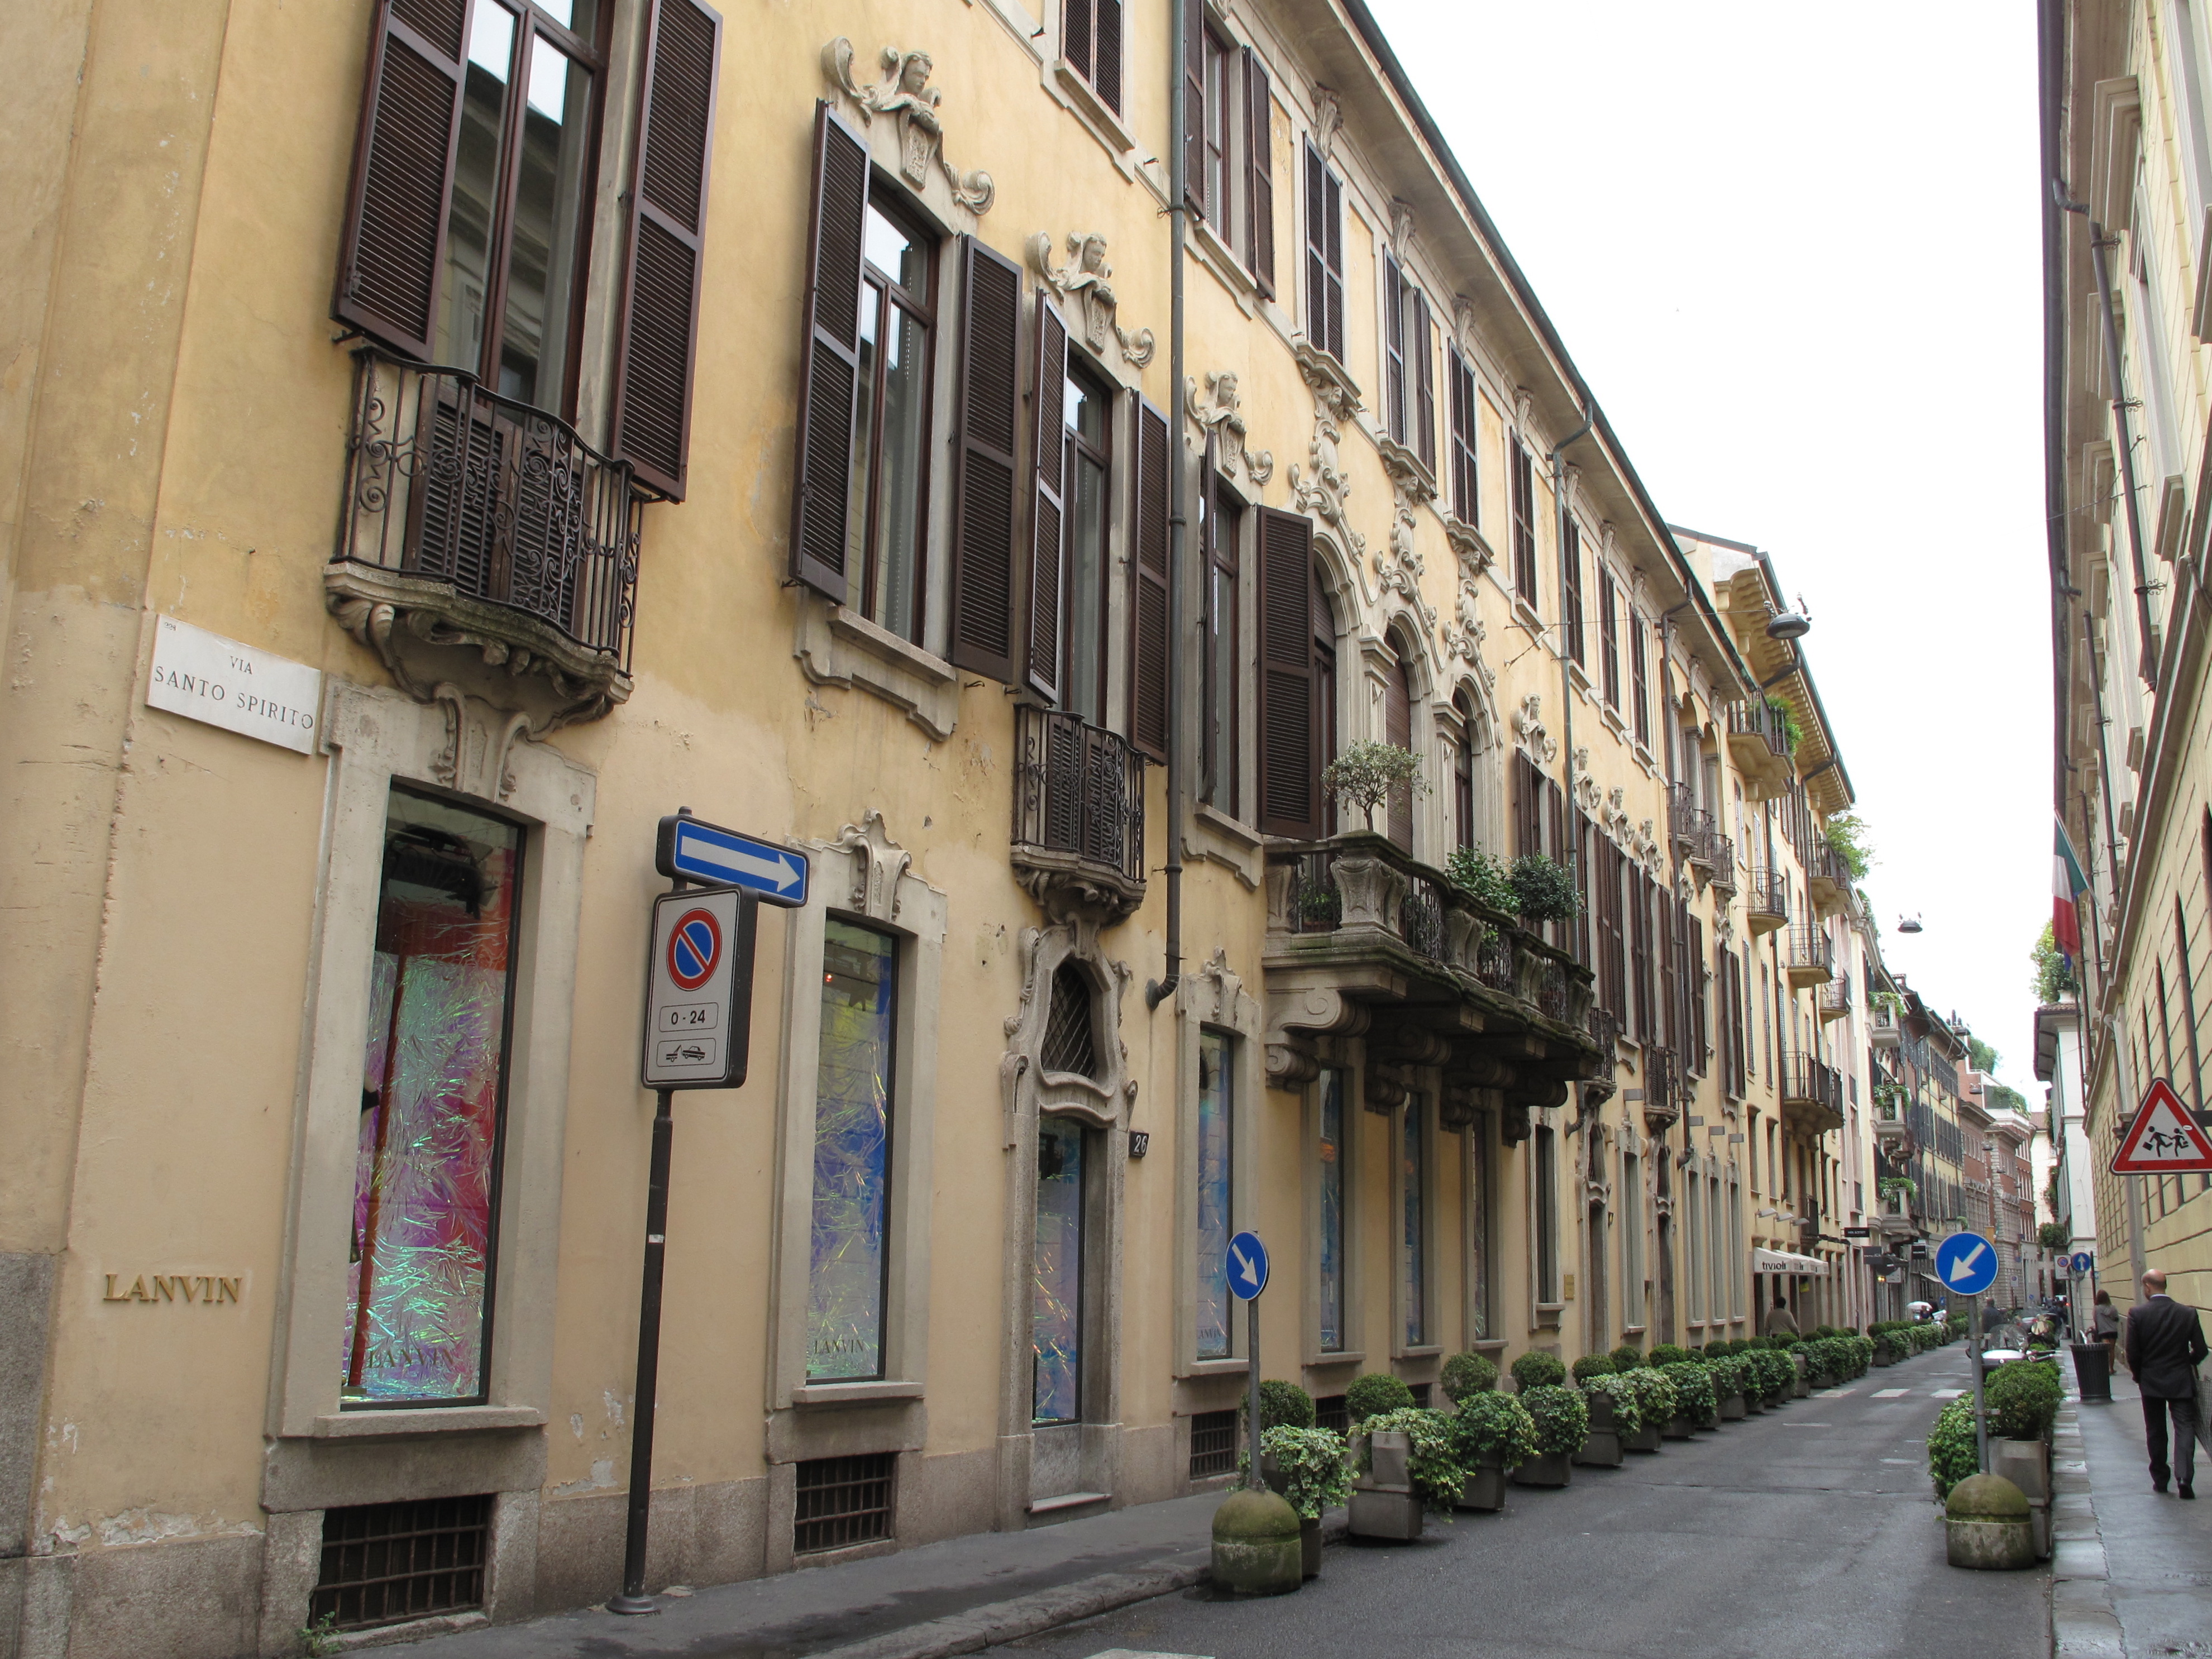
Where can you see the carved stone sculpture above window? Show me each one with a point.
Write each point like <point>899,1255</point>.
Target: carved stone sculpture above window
<point>904,94</point>
<point>1085,287</point>
<point>1220,414</point>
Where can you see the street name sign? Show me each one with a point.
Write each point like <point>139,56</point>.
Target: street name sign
<point>1247,1267</point>
<point>1966,1263</point>
<point>690,849</point>
<point>240,688</point>
<point>699,989</point>
<point>2163,1139</point>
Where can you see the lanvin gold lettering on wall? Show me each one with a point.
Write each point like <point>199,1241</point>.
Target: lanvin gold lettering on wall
<point>195,1290</point>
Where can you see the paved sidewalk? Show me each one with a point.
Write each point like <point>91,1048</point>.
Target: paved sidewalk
<point>2133,1576</point>
<point>952,1597</point>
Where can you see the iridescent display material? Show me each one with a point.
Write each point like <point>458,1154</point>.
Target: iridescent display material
<point>1478,1226</point>
<point>1056,1314</point>
<point>1214,1206</point>
<point>433,1083</point>
<point>1412,1189</point>
<point>1330,1153</point>
<point>852,1153</point>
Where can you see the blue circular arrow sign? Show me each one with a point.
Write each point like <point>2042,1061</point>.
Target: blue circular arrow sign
<point>2082,1264</point>
<point>1247,1267</point>
<point>1966,1263</point>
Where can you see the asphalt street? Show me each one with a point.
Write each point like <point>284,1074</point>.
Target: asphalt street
<point>1810,1530</point>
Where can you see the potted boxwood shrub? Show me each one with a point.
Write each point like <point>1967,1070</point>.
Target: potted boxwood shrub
<point>1627,1357</point>
<point>1666,1353</point>
<point>1466,1374</point>
<point>1613,1416</point>
<point>1562,1425</point>
<point>1726,1371</point>
<point>1538,1370</point>
<point>1655,1404</point>
<point>1777,1376</point>
<point>1373,1394</point>
<point>1406,1471</point>
<point>2023,1399</point>
<point>1491,1433</point>
<point>1306,1465</point>
<point>1694,1405</point>
<point>1951,1455</point>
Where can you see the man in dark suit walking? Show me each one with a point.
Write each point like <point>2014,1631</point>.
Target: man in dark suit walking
<point>2165,1345</point>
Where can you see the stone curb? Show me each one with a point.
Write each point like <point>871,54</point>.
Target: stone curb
<point>1026,1615</point>
<point>2083,1625</point>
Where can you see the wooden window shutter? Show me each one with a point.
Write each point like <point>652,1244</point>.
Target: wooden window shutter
<point>1193,107</point>
<point>1393,350</point>
<point>1324,257</point>
<point>1048,461</point>
<point>1289,723</point>
<point>1149,702</point>
<point>1669,1024</point>
<point>1465,503</point>
<point>1528,806</point>
<point>1259,174</point>
<point>830,359</point>
<point>393,254</point>
<point>657,346</point>
<point>1425,383</point>
<point>1076,36</point>
<point>984,500</point>
<point>1106,74</point>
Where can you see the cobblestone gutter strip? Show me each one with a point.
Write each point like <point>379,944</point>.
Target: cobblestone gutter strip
<point>2083,1625</point>
<point>1026,1615</point>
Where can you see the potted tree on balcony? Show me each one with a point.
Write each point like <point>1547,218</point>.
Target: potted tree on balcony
<point>1363,775</point>
<point>1491,1433</point>
<point>1545,889</point>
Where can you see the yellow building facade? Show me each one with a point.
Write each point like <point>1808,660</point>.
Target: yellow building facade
<point>448,437</point>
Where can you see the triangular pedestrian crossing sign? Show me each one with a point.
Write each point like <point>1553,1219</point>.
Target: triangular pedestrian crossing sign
<point>2164,1138</point>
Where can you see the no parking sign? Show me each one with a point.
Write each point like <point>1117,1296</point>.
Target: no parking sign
<point>699,989</point>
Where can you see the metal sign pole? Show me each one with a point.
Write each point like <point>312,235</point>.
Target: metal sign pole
<point>1252,1343</point>
<point>1981,1421</point>
<point>633,1598</point>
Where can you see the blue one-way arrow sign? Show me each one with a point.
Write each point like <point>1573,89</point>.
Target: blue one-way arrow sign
<point>691,850</point>
<point>1966,1263</point>
<point>1247,1267</point>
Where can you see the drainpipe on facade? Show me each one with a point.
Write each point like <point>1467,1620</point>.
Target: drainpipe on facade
<point>1178,508</point>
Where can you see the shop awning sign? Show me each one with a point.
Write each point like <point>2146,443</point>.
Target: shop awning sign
<point>2163,1139</point>
<point>1764,1261</point>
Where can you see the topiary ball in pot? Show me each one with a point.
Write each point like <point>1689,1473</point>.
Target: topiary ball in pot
<point>1666,1353</point>
<point>1282,1405</point>
<point>1693,1392</point>
<point>1466,1374</point>
<point>1593,1365</point>
<point>1627,1357</point>
<point>1373,1394</point>
<point>1536,1369</point>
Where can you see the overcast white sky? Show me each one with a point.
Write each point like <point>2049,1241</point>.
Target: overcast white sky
<point>1794,251</point>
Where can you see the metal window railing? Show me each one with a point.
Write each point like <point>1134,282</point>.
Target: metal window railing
<point>1079,789</point>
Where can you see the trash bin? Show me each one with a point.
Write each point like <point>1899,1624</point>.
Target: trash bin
<point>2093,1369</point>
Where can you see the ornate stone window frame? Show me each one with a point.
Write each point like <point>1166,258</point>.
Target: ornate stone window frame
<point>1214,998</point>
<point>321,1457</point>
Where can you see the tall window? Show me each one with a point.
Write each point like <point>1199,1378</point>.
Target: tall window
<point>1571,573</point>
<point>1466,499</point>
<point>1088,408</point>
<point>1608,633</point>
<point>1398,732</point>
<point>1216,1194</point>
<point>886,516</point>
<point>1409,364</point>
<point>1324,257</point>
<point>1715,1232</point>
<point>1224,661</point>
<point>1330,1150</point>
<point>433,1091</point>
<point>1545,1172</point>
<point>1090,41</point>
<point>1480,1290</point>
<point>1694,1248</point>
<point>1056,1306</point>
<point>1324,687</point>
<point>1463,773</point>
<point>852,1152</point>
<point>1219,182</point>
<point>1524,524</point>
<point>1639,673</point>
<point>1413,1221</point>
<point>1631,1239</point>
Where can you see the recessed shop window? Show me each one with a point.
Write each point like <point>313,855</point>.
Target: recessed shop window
<point>434,1088</point>
<point>853,1128</point>
<point>1056,1318</point>
<point>1329,1151</point>
<point>1413,1220</point>
<point>1216,1190</point>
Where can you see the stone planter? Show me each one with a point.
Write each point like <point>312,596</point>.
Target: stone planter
<point>1383,1504</point>
<point>1677,1428</point>
<point>1545,1469</point>
<point>1732,1408</point>
<point>1799,1390</point>
<point>1883,1356</point>
<point>1645,1439</point>
<point>2026,1463</point>
<point>1600,1448</point>
<point>1485,1488</point>
<point>1309,1546</point>
<point>1987,1526</point>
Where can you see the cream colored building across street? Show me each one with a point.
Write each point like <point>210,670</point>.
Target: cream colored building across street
<point>443,438</point>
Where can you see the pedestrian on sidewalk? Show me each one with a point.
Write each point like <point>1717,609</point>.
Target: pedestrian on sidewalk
<point>2166,1345</point>
<point>2105,1326</point>
<point>1779,1318</point>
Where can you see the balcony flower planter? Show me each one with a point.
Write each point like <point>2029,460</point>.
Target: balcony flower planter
<point>1485,1488</point>
<point>1732,1408</point>
<point>1544,1469</point>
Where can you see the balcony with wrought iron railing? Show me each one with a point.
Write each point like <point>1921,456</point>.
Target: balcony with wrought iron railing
<point>1812,956</point>
<point>1720,858</point>
<point>1687,822</point>
<point>1828,879</point>
<point>1765,901</point>
<point>472,520</point>
<point>1665,1089</point>
<point>1759,743</point>
<point>1361,936</point>
<point>1834,1000</point>
<point>1079,839</point>
<point>1812,1094</point>
<point>1885,1027</point>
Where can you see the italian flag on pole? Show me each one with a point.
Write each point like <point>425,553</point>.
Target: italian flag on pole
<point>2066,881</point>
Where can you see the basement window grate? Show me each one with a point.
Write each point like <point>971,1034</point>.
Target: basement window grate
<point>386,1563</point>
<point>842,1501</point>
<point>1331,1413</point>
<point>1213,1444</point>
<point>1420,1392</point>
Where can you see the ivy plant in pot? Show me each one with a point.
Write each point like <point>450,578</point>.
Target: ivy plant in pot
<point>1306,1465</point>
<point>1694,1405</point>
<point>1562,1425</point>
<point>1726,1371</point>
<point>1655,1404</point>
<point>1613,1404</point>
<point>1406,1470</point>
<point>1491,1433</point>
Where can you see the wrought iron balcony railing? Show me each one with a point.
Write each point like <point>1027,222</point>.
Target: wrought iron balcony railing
<point>1078,812</point>
<point>1664,1087</point>
<point>1812,958</point>
<point>1766,900</point>
<point>1688,822</point>
<point>493,516</point>
<point>1755,719</point>
<point>1835,997</point>
<point>1720,855</point>
<point>1813,1087</point>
